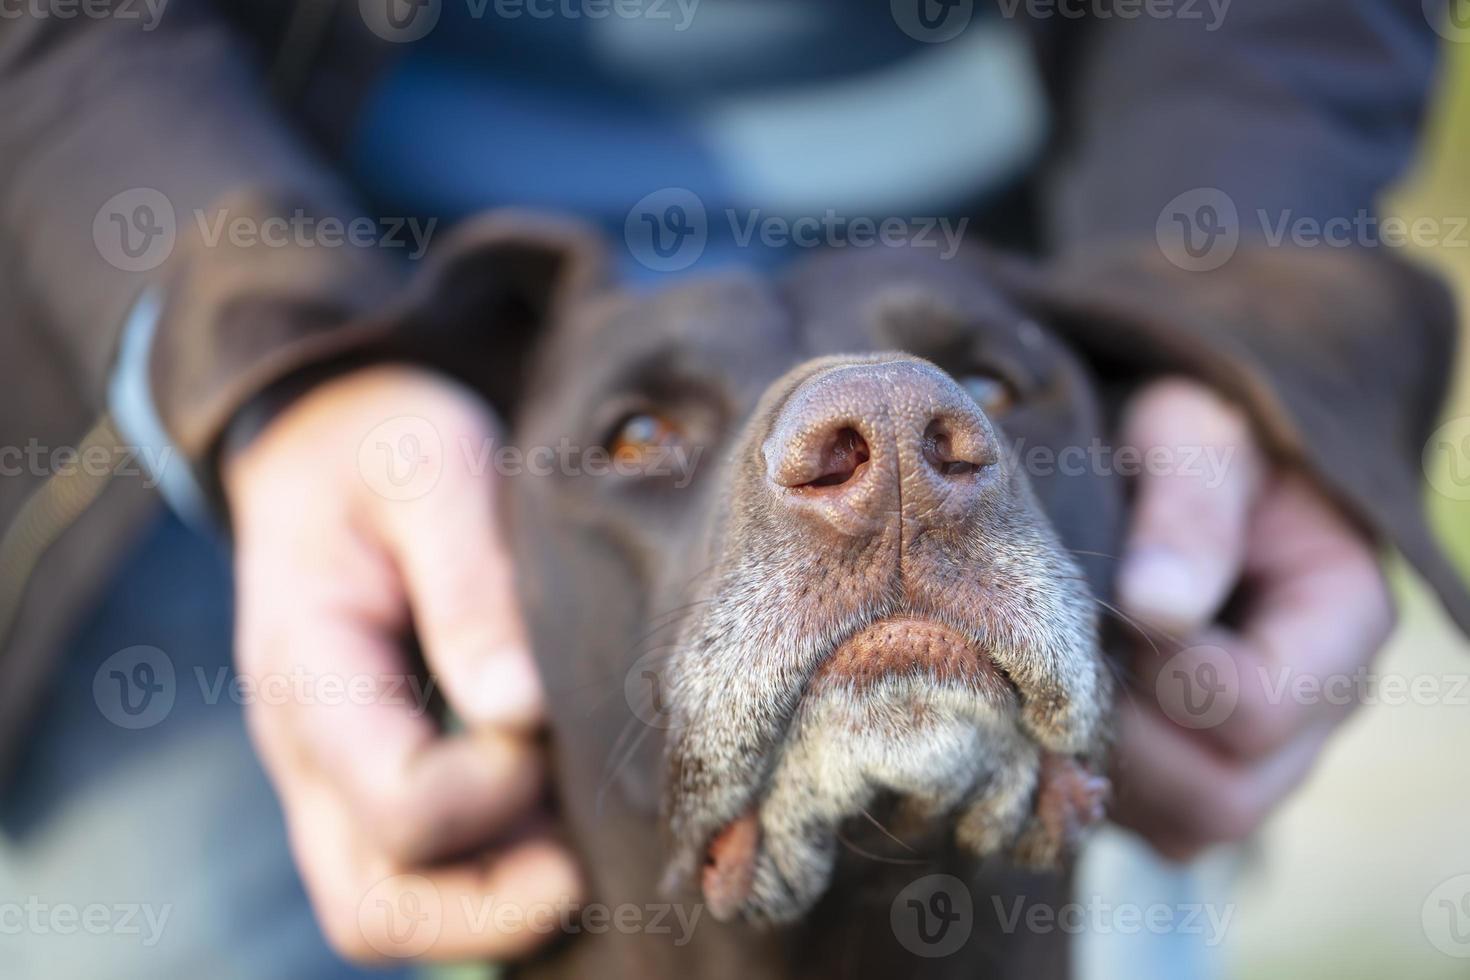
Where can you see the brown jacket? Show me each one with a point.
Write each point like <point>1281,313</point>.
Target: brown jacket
<point>1308,108</point>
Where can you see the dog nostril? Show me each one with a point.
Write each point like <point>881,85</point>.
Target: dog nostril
<point>841,459</point>
<point>940,454</point>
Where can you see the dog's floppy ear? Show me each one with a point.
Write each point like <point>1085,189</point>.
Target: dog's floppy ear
<point>1341,357</point>
<point>488,296</point>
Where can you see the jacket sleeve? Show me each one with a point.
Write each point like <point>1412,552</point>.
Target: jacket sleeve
<point>132,154</point>
<point>1191,154</point>
<point>1302,110</point>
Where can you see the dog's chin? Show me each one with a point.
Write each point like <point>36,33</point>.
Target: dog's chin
<point>905,709</point>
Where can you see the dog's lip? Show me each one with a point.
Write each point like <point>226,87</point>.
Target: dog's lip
<point>912,645</point>
<point>899,645</point>
<point>729,865</point>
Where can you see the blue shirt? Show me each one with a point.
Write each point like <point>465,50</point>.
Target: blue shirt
<point>764,110</point>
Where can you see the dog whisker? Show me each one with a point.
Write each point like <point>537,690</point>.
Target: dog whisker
<point>612,776</point>
<point>877,857</point>
<point>886,832</point>
<point>1128,620</point>
<point>1095,554</point>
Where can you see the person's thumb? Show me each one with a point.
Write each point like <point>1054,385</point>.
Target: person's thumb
<point>1200,474</point>
<point>460,582</point>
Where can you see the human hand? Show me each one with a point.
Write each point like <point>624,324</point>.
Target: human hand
<point>334,572</point>
<point>1307,598</point>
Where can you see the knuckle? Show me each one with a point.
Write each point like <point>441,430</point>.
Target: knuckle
<point>400,828</point>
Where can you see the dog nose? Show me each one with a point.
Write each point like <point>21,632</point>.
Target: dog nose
<point>862,444</point>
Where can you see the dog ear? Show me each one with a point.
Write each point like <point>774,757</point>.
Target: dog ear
<point>1341,358</point>
<point>492,293</point>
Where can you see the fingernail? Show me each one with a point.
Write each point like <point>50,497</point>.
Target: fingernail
<point>510,690</point>
<point>1161,587</point>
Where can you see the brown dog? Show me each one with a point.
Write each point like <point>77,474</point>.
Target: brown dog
<point>815,603</point>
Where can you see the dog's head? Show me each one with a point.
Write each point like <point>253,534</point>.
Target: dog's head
<point>785,560</point>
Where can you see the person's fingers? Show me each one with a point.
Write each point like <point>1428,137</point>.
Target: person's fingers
<point>333,571</point>
<point>354,713</point>
<point>458,574</point>
<point>1318,610</point>
<point>497,906</point>
<point>1182,796</point>
<point>1199,478</point>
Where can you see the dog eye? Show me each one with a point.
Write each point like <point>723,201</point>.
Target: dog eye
<point>638,435</point>
<point>994,394</point>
